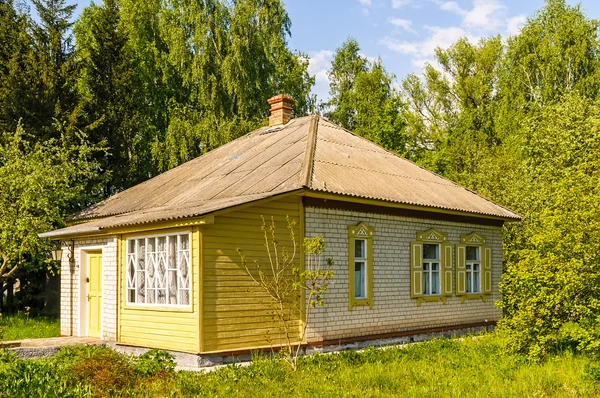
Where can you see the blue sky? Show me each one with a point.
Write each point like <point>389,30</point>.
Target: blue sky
<point>404,33</point>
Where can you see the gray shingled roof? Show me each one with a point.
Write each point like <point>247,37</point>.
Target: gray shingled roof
<point>308,153</point>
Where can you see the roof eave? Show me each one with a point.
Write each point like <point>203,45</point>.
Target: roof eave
<point>338,196</point>
<point>58,234</point>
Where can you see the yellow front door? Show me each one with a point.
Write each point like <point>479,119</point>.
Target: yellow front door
<point>94,297</point>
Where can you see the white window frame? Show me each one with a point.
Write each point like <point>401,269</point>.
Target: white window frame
<point>428,272</point>
<point>180,255</point>
<point>364,262</point>
<point>470,271</point>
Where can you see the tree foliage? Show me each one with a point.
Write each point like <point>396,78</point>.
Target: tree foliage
<point>518,122</point>
<point>363,98</point>
<point>40,183</point>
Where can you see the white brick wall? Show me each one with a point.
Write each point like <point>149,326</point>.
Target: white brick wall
<point>393,309</point>
<point>70,287</point>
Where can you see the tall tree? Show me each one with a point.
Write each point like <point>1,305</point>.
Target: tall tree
<point>451,113</point>
<point>16,77</point>
<point>363,98</point>
<point>346,66</point>
<point>207,69</point>
<point>109,97</point>
<point>518,122</point>
<point>55,68</point>
<point>40,183</point>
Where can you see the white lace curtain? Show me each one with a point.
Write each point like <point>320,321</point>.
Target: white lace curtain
<point>158,270</point>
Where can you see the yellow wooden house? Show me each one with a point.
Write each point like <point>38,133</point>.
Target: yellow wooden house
<point>157,264</point>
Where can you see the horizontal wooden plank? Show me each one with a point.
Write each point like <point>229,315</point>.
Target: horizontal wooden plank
<point>149,326</point>
<point>232,240</point>
<point>210,329</point>
<point>236,314</point>
<point>257,333</point>
<point>166,332</point>
<point>249,344</point>
<point>240,320</point>
<point>166,316</point>
<point>165,344</point>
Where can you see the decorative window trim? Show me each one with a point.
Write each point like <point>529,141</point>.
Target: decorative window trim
<point>365,232</point>
<point>181,275</point>
<point>485,252</point>
<point>431,236</point>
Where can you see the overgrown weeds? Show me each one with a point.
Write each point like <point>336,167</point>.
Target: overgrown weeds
<point>467,367</point>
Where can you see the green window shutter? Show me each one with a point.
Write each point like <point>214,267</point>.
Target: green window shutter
<point>461,270</point>
<point>446,277</point>
<point>416,269</point>
<point>350,272</point>
<point>487,269</point>
<point>370,271</point>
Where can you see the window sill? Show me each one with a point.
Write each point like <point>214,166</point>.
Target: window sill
<point>431,299</point>
<point>360,303</point>
<point>158,308</point>
<point>477,296</point>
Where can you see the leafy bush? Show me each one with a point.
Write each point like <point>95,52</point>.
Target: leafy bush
<point>154,362</point>
<point>552,283</point>
<point>105,371</point>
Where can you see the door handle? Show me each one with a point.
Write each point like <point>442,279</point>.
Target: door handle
<point>89,297</point>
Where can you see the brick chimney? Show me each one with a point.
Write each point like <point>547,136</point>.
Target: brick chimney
<point>281,109</point>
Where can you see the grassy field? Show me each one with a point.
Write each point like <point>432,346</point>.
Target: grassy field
<point>469,367</point>
<point>20,326</point>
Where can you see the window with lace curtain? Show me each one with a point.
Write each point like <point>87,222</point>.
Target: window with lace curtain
<point>158,270</point>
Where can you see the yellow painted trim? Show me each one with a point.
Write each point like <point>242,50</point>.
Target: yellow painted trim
<point>160,308</point>
<point>360,231</point>
<point>472,297</point>
<point>120,262</point>
<point>302,225</point>
<point>431,236</point>
<point>473,239</point>
<point>198,275</point>
<point>430,299</point>
<point>143,344</point>
<point>376,202</point>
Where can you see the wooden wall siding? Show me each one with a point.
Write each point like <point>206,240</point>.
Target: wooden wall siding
<point>236,314</point>
<point>162,327</point>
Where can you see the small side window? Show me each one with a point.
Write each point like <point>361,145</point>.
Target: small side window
<point>473,267</point>
<point>431,267</point>
<point>360,265</point>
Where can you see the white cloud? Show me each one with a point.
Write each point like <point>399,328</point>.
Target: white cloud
<point>402,23</point>
<point>452,6</point>
<point>366,3</point>
<point>485,14</point>
<point>319,63</point>
<point>400,3</point>
<point>425,49</point>
<point>514,24</point>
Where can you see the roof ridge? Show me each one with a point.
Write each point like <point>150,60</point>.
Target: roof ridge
<point>309,153</point>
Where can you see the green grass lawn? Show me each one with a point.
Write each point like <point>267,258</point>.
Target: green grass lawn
<point>469,367</point>
<point>20,326</point>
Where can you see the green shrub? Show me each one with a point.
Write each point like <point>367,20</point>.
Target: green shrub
<point>153,362</point>
<point>107,372</point>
